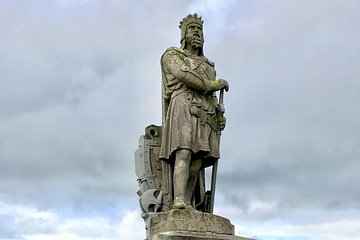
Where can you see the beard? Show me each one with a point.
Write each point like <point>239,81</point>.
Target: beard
<point>195,41</point>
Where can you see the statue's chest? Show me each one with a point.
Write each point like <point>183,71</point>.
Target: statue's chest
<point>202,68</point>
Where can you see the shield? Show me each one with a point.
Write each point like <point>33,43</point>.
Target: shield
<point>148,169</point>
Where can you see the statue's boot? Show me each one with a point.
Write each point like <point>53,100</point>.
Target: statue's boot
<point>190,207</point>
<point>179,203</point>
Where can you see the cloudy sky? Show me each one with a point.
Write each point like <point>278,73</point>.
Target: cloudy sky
<point>80,79</point>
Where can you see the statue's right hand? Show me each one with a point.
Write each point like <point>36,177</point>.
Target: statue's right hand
<point>224,84</point>
<point>219,84</point>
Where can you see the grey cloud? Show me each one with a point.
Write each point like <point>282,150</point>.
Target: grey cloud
<point>80,82</point>
<point>294,118</point>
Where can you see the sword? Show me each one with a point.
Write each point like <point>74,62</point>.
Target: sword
<point>215,166</point>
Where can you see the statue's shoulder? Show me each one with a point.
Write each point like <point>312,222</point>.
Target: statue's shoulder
<point>212,64</point>
<point>181,53</point>
<point>175,51</point>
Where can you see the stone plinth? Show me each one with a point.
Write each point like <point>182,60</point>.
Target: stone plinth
<point>186,224</point>
<point>180,235</point>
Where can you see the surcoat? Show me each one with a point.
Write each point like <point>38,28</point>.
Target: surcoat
<point>190,112</point>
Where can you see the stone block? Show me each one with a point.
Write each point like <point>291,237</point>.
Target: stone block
<point>190,221</point>
<point>181,235</point>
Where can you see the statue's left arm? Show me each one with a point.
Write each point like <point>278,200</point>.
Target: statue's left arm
<point>174,65</point>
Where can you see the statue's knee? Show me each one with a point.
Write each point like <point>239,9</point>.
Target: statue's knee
<point>184,154</point>
<point>181,165</point>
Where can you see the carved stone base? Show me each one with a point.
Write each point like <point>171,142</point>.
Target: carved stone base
<point>186,224</point>
<point>179,235</point>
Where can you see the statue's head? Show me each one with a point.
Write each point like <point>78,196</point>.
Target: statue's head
<point>192,32</point>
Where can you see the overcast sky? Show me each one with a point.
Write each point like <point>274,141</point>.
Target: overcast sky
<point>80,80</point>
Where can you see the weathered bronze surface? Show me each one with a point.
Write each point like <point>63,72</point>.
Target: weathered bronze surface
<point>191,118</point>
<point>171,158</point>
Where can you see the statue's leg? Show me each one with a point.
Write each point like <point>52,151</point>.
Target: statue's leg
<point>181,176</point>
<point>195,166</point>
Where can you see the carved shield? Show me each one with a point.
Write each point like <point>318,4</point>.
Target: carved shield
<point>148,169</point>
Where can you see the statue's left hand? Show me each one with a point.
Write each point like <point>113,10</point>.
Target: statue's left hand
<point>222,123</point>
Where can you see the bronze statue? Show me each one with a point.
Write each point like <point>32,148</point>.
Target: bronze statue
<point>192,117</point>
<point>171,159</point>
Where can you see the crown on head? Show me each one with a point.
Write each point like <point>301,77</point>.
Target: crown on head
<point>190,19</point>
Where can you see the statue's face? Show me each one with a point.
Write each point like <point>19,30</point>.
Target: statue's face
<point>194,35</point>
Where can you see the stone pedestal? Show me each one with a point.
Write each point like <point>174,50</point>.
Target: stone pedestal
<point>192,225</point>
<point>179,235</point>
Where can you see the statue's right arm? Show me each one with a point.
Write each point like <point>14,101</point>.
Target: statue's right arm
<point>174,65</point>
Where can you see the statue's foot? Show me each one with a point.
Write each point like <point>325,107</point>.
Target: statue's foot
<point>179,203</point>
<point>190,207</point>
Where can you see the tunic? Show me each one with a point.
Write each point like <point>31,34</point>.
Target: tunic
<point>190,113</point>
